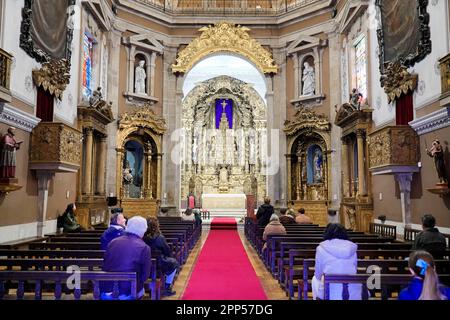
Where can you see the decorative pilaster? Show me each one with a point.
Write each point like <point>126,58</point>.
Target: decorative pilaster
<point>119,162</point>
<point>152,74</point>
<point>87,188</point>
<point>404,183</point>
<point>298,175</point>
<point>289,169</point>
<point>149,189</point>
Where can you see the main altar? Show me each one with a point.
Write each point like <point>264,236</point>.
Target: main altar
<point>224,147</point>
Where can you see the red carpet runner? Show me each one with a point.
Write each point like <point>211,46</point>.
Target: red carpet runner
<point>223,224</point>
<point>223,271</point>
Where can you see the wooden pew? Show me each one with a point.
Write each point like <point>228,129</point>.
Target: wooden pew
<point>59,278</point>
<point>383,230</point>
<point>387,280</point>
<point>410,235</point>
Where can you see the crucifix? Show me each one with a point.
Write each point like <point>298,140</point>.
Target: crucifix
<point>224,105</point>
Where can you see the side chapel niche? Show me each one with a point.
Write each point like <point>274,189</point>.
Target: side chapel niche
<point>139,160</point>
<point>308,163</point>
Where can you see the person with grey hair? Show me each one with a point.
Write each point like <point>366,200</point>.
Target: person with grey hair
<point>115,230</point>
<point>128,253</point>
<point>273,228</point>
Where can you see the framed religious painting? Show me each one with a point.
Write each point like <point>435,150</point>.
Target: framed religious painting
<point>404,32</point>
<point>44,35</point>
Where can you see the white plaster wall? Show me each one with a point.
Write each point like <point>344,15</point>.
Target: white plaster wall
<point>21,81</point>
<point>428,70</point>
<point>22,85</point>
<point>66,109</point>
<point>23,231</point>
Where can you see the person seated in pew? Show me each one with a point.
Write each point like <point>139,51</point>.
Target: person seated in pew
<point>157,242</point>
<point>68,220</point>
<point>264,213</point>
<point>430,239</point>
<point>335,255</point>
<point>128,253</point>
<point>302,218</point>
<point>425,284</point>
<point>198,217</point>
<point>286,218</point>
<point>188,215</point>
<point>290,210</point>
<point>115,230</point>
<point>273,228</point>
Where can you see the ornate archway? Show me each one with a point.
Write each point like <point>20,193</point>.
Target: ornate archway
<point>139,158</point>
<point>224,37</point>
<point>223,150</point>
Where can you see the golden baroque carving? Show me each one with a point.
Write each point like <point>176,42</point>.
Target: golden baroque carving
<point>444,64</point>
<point>393,146</point>
<point>224,36</point>
<point>55,143</point>
<point>397,81</point>
<point>143,117</point>
<point>306,118</point>
<point>54,76</point>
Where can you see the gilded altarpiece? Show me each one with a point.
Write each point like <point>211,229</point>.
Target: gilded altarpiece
<point>229,158</point>
<point>139,161</point>
<point>93,119</point>
<point>356,210</point>
<point>309,163</point>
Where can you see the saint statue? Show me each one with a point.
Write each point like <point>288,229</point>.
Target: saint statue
<point>127,176</point>
<point>309,80</point>
<point>355,99</point>
<point>351,215</point>
<point>140,76</point>
<point>96,97</point>
<point>437,153</point>
<point>317,160</point>
<point>8,147</point>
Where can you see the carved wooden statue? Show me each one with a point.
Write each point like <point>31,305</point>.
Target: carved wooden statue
<point>437,153</point>
<point>8,147</point>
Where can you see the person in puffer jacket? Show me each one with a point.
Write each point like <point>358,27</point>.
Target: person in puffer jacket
<point>336,255</point>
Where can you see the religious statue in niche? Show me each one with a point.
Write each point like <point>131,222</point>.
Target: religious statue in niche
<point>351,215</point>
<point>309,80</point>
<point>318,159</point>
<point>140,76</point>
<point>437,153</point>
<point>127,174</point>
<point>8,147</point>
<point>96,97</point>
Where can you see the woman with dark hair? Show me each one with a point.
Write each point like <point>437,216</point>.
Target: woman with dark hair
<point>425,284</point>
<point>69,220</point>
<point>188,215</point>
<point>335,255</point>
<point>157,242</point>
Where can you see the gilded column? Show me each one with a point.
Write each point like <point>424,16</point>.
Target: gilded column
<point>298,175</point>
<point>87,181</point>
<point>345,179</point>
<point>288,168</point>
<point>361,165</point>
<point>158,173</point>
<point>101,166</point>
<point>149,191</point>
<point>119,163</point>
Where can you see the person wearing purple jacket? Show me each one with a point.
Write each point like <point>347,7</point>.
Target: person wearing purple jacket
<point>128,253</point>
<point>115,230</point>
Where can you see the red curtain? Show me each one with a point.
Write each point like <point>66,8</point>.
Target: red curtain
<point>44,107</point>
<point>405,109</point>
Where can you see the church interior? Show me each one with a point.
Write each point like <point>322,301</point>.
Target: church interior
<point>214,121</point>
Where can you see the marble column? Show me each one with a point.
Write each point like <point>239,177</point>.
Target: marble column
<point>404,182</point>
<point>101,166</point>
<point>87,180</point>
<point>152,74</point>
<point>361,165</point>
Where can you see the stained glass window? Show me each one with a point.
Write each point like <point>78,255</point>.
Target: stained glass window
<point>87,65</point>
<point>361,66</point>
